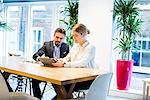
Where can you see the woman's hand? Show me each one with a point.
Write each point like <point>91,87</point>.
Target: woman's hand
<point>58,64</point>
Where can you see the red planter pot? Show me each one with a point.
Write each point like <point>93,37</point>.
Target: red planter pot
<point>124,73</point>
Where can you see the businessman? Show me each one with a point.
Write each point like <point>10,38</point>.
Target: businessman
<point>52,49</point>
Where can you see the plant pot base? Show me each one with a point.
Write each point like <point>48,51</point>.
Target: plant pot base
<point>119,88</point>
<point>124,73</point>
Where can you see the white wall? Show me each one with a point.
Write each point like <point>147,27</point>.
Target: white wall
<point>97,16</point>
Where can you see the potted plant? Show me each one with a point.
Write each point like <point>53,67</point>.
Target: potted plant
<point>126,16</point>
<point>70,19</point>
<point>3,25</point>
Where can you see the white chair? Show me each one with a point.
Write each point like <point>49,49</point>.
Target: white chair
<point>100,87</point>
<point>6,95</point>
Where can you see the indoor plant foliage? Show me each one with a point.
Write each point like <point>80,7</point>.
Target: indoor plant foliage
<point>70,18</point>
<point>126,15</point>
<point>3,25</point>
<point>128,23</point>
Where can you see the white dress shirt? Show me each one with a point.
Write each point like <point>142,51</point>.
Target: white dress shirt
<point>80,56</point>
<point>56,52</point>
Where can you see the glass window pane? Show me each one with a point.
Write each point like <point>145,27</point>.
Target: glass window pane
<point>143,44</point>
<point>17,20</point>
<point>34,48</point>
<point>42,19</point>
<point>145,59</point>
<point>39,36</point>
<point>139,43</point>
<point>34,35</point>
<point>39,46</point>
<point>134,42</point>
<point>136,58</point>
<point>149,45</point>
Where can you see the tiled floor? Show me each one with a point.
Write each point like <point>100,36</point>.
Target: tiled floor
<point>50,93</point>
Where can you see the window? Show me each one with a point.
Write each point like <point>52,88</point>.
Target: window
<point>141,56</point>
<point>32,23</point>
<point>17,20</point>
<point>37,39</point>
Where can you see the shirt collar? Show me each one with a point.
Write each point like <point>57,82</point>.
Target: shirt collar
<point>55,45</point>
<point>84,45</point>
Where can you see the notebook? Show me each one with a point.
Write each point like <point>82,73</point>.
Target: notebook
<point>46,61</point>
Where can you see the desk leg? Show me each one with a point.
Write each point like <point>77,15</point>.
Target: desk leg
<point>61,91</point>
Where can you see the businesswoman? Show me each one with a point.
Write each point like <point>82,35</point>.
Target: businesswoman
<point>82,54</point>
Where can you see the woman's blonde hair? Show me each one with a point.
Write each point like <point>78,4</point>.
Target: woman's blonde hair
<point>82,29</point>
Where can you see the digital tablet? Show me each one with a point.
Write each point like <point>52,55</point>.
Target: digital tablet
<point>46,61</point>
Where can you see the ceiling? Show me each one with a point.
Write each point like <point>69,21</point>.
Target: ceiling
<point>13,1</point>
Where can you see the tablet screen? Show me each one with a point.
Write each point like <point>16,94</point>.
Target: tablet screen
<point>46,61</point>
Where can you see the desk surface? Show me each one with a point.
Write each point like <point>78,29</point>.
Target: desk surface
<point>59,76</point>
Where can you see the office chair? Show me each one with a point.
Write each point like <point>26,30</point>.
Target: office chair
<point>100,87</point>
<point>6,95</point>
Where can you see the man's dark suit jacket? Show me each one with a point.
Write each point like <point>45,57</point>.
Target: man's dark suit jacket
<point>48,49</point>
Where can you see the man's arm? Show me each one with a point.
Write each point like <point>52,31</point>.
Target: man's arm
<point>40,52</point>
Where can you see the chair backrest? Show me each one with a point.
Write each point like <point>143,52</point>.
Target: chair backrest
<point>100,87</point>
<point>4,92</point>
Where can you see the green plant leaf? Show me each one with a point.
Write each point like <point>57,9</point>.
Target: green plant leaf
<point>70,12</point>
<point>126,16</point>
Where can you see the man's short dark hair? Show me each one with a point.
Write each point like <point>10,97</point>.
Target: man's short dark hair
<point>60,30</point>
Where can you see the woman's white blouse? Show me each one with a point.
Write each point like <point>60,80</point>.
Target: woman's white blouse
<point>80,56</point>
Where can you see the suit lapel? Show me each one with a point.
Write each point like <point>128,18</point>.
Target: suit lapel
<point>50,49</point>
<point>62,53</point>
